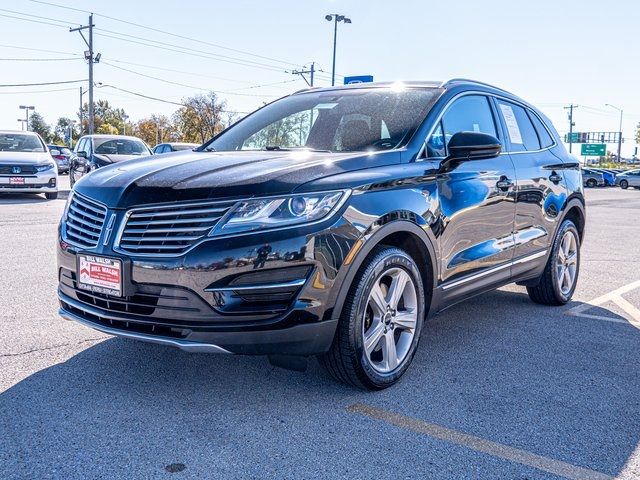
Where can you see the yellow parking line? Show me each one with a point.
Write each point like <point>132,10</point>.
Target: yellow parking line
<point>477,444</point>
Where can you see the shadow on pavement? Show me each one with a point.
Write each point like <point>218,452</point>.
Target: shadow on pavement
<point>529,377</point>
<point>25,198</point>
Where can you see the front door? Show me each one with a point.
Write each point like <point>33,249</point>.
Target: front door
<point>476,202</point>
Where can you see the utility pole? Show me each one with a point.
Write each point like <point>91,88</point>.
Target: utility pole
<point>571,124</point>
<point>26,108</point>
<point>619,130</point>
<point>88,55</point>
<point>310,72</point>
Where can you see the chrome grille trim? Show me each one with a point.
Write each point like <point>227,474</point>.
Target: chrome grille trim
<point>84,221</point>
<point>168,230</point>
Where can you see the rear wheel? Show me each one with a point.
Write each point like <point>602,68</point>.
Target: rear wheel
<point>380,323</point>
<point>624,184</point>
<point>592,183</point>
<point>560,276</point>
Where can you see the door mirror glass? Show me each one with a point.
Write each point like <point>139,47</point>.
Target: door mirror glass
<point>473,146</point>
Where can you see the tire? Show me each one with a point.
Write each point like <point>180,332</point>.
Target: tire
<point>591,183</point>
<point>624,184</point>
<point>549,290</point>
<point>51,195</point>
<point>349,360</point>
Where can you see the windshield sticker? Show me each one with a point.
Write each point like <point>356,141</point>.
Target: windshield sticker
<point>512,124</point>
<point>325,106</point>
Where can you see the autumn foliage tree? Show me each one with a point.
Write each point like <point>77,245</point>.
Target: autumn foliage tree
<point>201,117</point>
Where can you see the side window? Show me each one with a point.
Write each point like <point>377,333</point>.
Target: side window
<point>436,144</point>
<point>471,113</point>
<point>81,144</point>
<point>522,135</point>
<point>543,134</point>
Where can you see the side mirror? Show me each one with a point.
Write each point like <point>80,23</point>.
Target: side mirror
<point>54,153</point>
<point>473,146</point>
<point>82,154</point>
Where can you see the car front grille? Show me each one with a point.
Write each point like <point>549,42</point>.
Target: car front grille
<point>84,221</point>
<point>24,169</point>
<point>168,230</point>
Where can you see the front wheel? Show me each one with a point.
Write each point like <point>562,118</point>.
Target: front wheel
<point>591,183</point>
<point>624,184</point>
<point>560,276</point>
<point>51,195</point>
<point>380,323</point>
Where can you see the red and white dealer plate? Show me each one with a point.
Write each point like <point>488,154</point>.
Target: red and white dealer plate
<point>100,274</point>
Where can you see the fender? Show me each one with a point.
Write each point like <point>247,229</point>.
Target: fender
<point>373,238</point>
<point>574,200</point>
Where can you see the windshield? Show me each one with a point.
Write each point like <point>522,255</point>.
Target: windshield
<point>16,142</point>
<point>336,121</point>
<point>119,146</point>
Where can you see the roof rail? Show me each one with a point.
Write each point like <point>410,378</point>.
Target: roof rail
<point>468,80</point>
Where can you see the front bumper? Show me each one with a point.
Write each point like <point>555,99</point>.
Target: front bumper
<point>42,182</point>
<point>301,340</point>
<point>222,295</point>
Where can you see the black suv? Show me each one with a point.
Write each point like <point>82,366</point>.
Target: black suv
<point>331,222</point>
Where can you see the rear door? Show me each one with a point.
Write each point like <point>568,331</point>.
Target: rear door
<point>477,207</point>
<point>540,186</point>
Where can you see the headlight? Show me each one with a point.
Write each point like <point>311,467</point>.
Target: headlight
<point>66,206</point>
<point>44,168</point>
<point>263,213</point>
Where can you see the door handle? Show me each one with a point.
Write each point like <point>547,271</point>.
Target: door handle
<point>504,184</point>
<point>555,178</point>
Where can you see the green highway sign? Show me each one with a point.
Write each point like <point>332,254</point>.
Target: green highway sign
<point>594,149</point>
<point>573,137</point>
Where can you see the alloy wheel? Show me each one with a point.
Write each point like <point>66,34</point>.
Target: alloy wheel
<point>567,262</point>
<point>390,320</point>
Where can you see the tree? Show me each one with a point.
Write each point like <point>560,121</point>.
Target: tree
<point>61,127</point>
<point>156,129</point>
<point>104,113</point>
<point>200,118</point>
<point>38,125</point>
<point>638,134</point>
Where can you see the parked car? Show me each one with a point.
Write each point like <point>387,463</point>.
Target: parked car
<point>95,151</point>
<point>333,237</point>
<point>608,176</point>
<point>630,178</point>
<point>592,178</point>
<point>173,147</point>
<point>26,165</point>
<point>63,158</point>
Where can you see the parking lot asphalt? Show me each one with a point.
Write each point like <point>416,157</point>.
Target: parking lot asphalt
<point>500,388</point>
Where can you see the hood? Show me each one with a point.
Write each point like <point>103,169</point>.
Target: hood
<point>185,176</point>
<point>114,158</point>
<point>25,158</point>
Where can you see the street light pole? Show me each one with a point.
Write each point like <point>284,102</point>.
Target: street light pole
<point>26,108</point>
<point>619,130</point>
<point>335,18</point>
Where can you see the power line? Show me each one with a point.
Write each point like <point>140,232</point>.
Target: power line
<point>184,37</point>
<point>39,91</point>
<point>38,16</point>
<point>44,83</point>
<point>37,59</point>
<point>39,50</point>
<point>184,84</point>
<point>33,21</point>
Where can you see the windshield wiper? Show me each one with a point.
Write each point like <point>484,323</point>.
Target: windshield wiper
<point>277,148</point>
<point>209,149</point>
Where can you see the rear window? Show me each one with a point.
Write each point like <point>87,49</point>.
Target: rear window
<point>543,134</point>
<point>119,146</point>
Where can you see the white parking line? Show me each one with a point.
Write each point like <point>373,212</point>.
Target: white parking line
<point>632,316</point>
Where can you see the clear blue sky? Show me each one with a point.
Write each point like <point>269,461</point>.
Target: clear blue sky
<point>549,52</point>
